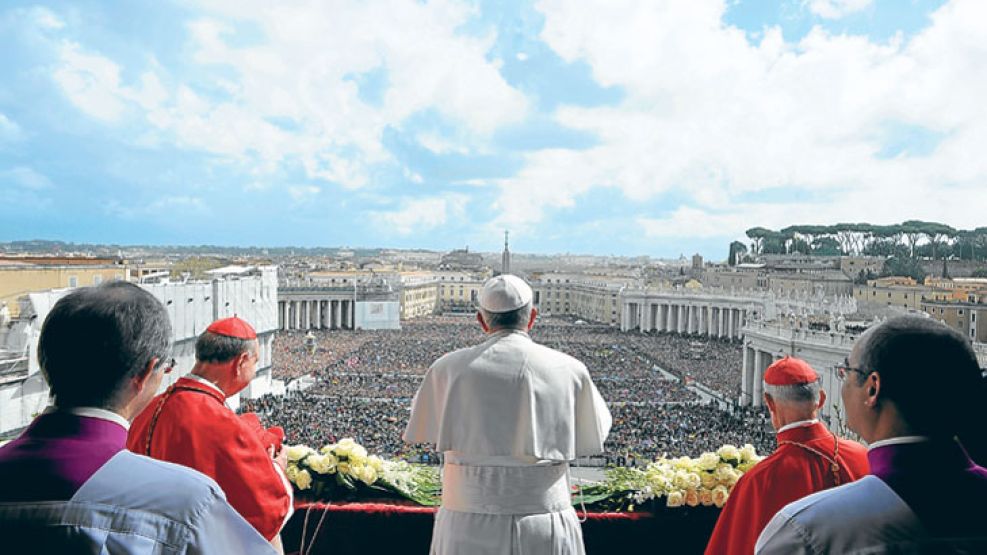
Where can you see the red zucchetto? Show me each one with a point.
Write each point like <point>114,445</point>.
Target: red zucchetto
<point>232,327</point>
<point>789,371</point>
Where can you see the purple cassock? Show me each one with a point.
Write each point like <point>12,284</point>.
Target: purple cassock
<point>55,455</point>
<point>932,478</point>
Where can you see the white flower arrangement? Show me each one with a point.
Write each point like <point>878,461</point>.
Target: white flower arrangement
<point>705,480</point>
<point>345,470</point>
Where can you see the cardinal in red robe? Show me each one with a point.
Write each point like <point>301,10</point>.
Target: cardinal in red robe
<point>809,458</point>
<point>189,424</point>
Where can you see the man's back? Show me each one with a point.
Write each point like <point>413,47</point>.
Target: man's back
<point>130,504</point>
<point>508,414</point>
<point>510,397</point>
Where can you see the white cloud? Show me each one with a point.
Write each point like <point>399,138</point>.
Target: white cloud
<point>46,19</point>
<point>422,214</point>
<point>9,130</point>
<point>836,9</point>
<point>299,193</point>
<point>25,178</point>
<point>299,69</point>
<point>91,82</point>
<point>440,144</point>
<point>713,116</point>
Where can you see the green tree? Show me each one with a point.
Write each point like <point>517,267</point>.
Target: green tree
<point>737,252</point>
<point>908,267</point>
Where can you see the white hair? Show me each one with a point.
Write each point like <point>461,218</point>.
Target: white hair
<point>802,393</point>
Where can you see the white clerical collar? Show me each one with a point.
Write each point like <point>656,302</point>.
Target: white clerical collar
<point>94,412</point>
<point>898,441</point>
<point>202,380</point>
<point>799,424</point>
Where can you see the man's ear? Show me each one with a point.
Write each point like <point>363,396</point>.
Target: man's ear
<point>822,398</point>
<point>873,387</point>
<point>140,379</point>
<point>531,319</point>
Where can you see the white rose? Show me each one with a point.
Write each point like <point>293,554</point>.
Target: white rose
<point>748,453</point>
<point>706,497</point>
<point>675,499</point>
<point>299,452</point>
<point>691,498</point>
<point>729,453</point>
<point>376,462</point>
<point>708,461</point>
<point>694,481</point>
<point>323,464</point>
<point>720,496</point>
<point>708,480</point>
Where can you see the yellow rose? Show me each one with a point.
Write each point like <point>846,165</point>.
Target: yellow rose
<point>292,472</point>
<point>326,449</point>
<point>694,481</point>
<point>675,499</point>
<point>691,498</point>
<point>298,452</point>
<point>748,453</point>
<point>681,480</point>
<point>343,467</point>
<point>303,480</point>
<point>708,480</point>
<point>706,497</point>
<point>729,453</point>
<point>720,496</point>
<point>359,452</point>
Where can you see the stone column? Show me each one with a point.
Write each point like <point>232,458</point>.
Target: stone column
<point>747,382</point>
<point>352,315</point>
<point>758,384</point>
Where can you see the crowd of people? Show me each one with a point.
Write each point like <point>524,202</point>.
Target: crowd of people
<point>364,382</point>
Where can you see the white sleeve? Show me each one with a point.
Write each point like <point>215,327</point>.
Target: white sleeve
<point>220,529</point>
<point>782,536</point>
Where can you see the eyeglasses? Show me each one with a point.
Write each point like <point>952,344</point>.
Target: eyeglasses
<point>167,364</point>
<point>842,370</point>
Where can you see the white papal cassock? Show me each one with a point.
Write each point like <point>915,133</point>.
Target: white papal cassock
<point>508,415</point>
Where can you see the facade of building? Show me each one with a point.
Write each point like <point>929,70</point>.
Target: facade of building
<point>966,317</point>
<point>590,298</point>
<point>20,276</point>
<point>900,292</point>
<point>191,306</point>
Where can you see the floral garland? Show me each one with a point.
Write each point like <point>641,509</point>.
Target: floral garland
<point>706,480</point>
<point>345,470</point>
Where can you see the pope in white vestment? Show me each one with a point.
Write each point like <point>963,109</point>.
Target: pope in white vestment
<point>508,415</point>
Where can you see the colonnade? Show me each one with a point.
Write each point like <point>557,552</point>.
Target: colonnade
<point>756,361</point>
<point>703,319</point>
<point>309,314</point>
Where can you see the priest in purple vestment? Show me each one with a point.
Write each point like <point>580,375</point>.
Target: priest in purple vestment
<point>67,483</point>
<point>912,388</point>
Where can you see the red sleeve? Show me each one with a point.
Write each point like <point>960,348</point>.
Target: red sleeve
<point>196,431</point>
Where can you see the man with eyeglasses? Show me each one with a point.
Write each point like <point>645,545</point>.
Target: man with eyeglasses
<point>809,458</point>
<point>67,483</point>
<point>913,390</point>
<point>190,424</point>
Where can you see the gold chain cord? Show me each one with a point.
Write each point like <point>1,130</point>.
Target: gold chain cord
<point>834,465</point>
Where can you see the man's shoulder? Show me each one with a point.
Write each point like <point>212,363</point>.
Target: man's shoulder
<point>842,502</point>
<point>550,355</point>
<point>178,480</point>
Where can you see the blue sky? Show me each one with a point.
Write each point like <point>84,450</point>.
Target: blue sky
<point>608,127</point>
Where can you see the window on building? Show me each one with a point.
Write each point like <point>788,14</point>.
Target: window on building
<point>97,279</point>
<point>73,281</point>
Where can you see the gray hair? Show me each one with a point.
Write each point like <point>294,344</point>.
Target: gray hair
<point>803,393</point>
<point>513,320</point>
<point>95,339</point>
<point>212,347</point>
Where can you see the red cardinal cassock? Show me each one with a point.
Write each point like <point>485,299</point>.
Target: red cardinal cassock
<point>809,458</point>
<point>189,424</point>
